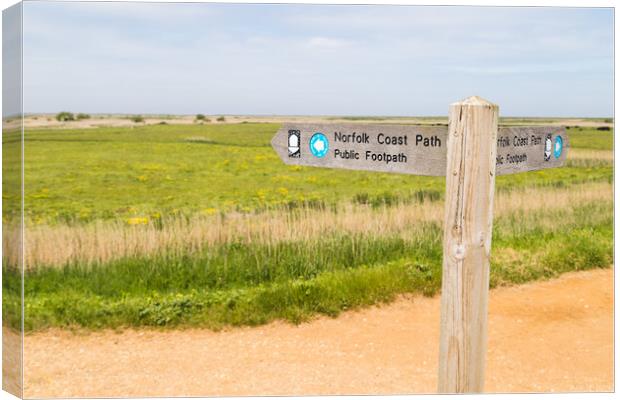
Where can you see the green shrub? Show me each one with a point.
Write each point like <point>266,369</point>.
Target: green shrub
<point>200,117</point>
<point>65,116</point>
<point>82,116</point>
<point>221,119</point>
<point>137,118</point>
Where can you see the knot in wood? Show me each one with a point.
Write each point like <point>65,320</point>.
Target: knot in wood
<point>456,230</point>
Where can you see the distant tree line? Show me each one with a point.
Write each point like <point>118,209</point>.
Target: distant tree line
<point>203,118</point>
<point>68,116</point>
<point>65,116</point>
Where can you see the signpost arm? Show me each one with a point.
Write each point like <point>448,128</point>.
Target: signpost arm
<point>470,185</point>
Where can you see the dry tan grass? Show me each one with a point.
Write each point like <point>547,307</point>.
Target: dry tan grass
<point>589,158</point>
<point>581,154</point>
<point>104,241</point>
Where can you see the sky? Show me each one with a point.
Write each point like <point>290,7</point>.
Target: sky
<point>184,58</point>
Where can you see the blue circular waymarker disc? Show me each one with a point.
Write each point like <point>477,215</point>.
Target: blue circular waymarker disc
<point>557,147</point>
<point>319,145</point>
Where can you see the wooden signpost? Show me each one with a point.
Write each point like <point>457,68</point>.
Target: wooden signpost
<point>470,152</point>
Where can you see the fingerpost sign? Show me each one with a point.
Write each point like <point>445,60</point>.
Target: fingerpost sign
<point>470,152</point>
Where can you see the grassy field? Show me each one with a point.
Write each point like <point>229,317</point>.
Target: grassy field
<point>203,225</point>
<point>138,174</point>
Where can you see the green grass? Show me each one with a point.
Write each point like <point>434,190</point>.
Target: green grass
<point>11,190</point>
<point>251,283</point>
<point>108,173</point>
<point>590,138</point>
<point>79,176</point>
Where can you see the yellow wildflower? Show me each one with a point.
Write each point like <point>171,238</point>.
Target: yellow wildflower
<point>138,221</point>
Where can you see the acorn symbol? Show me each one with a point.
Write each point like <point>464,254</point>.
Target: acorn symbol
<point>293,144</point>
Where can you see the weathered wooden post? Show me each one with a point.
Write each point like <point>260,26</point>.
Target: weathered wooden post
<point>470,153</point>
<point>470,184</point>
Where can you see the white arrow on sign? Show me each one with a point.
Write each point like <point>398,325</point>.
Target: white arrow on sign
<point>409,149</point>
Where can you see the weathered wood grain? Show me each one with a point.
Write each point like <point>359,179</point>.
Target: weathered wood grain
<point>470,185</point>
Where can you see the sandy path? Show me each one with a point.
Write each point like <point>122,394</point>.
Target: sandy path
<point>549,336</point>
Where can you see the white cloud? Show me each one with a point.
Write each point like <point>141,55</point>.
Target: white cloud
<point>328,43</point>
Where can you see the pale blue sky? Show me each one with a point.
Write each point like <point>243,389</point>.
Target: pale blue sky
<point>315,59</point>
